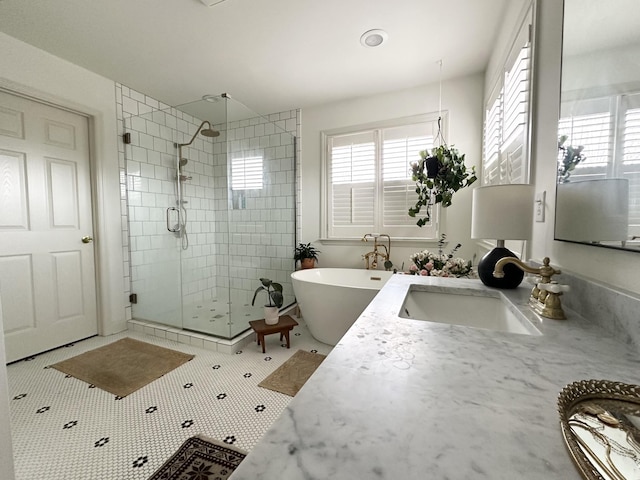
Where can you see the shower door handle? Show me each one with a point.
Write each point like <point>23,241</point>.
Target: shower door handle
<point>176,225</point>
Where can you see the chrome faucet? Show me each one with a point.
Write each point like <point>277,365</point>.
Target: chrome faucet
<point>371,258</point>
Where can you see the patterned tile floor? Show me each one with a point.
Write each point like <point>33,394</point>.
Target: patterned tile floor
<point>63,428</point>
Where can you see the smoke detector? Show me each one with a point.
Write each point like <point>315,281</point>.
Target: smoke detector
<point>373,38</point>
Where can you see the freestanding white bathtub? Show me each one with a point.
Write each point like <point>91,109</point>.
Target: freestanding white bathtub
<point>331,299</point>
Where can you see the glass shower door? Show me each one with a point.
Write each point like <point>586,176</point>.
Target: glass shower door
<point>154,250</point>
<point>261,209</point>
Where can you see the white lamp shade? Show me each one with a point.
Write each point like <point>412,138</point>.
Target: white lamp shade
<point>593,210</point>
<point>502,212</point>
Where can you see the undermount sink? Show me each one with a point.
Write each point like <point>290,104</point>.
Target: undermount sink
<point>479,309</point>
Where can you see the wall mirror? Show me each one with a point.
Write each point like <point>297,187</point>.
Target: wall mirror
<point>598,181</point>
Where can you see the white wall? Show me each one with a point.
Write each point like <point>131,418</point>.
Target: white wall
<point>610,70</point>
<point>461,97</point>
<point>30,71</point>
<point>617,268</point>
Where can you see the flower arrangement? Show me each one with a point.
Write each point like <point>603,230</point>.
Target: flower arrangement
<point>439,264</point>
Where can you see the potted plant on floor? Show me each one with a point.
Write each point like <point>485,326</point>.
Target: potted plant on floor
<point>275,297</point>
<point>306,254</point>
<point>438,176</point>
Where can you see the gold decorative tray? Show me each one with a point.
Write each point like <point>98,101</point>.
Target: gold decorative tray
<point>600,422</point>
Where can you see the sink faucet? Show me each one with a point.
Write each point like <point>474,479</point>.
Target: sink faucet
<point>371,258</point>
<point>546,271</point>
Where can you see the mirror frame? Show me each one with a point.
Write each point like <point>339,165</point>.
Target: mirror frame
<point>573,94</point>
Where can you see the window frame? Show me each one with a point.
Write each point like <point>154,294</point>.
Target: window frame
<point>502,166</point>
<point>619,101</point>
<point>499,167</point>
<point>409,232</point>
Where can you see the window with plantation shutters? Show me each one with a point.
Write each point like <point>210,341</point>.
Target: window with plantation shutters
<point>589,123</point>
<point>608,129</point>
<point>506,122</point>
<point>246,173</point>
<point>369,186</point>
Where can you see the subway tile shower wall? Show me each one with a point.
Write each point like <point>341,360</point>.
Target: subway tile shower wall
<point>252,241</point>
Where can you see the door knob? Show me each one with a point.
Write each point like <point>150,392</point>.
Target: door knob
<point>87,239</point>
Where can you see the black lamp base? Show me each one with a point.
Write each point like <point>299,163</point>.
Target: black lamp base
<point>512,275</point>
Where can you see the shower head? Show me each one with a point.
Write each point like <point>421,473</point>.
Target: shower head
<point>183,162</point>
<point>206,132</point>
<point>209,132</point>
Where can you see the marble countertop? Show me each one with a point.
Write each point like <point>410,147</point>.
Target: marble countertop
<point>407,399</point>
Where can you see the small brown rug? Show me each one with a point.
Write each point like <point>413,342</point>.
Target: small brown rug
<point>201,458</point>
<point>292,374</point>
<point>124,366</point>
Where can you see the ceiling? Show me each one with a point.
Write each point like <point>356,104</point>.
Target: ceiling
<point>271,55</point>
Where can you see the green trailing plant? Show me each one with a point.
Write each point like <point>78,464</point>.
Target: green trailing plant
<point>438,176</point>
<point>305,250</point>
<point>568,158</point>
<point>274,293</point>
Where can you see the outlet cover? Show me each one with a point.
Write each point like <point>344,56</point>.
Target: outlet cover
<point>540,197</point>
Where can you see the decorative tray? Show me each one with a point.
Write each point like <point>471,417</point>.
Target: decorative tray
<point>600,422</point>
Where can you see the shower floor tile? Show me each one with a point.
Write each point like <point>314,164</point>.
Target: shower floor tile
<point>62,428</point>
<point>213,317</point>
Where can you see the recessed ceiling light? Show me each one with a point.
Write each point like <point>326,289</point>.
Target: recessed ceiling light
<point>373,38</point>
<point>211,98</point>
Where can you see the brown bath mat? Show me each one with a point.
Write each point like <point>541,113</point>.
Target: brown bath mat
<point>124,366</point>
<point>292,374</point>
<point>201,458</point>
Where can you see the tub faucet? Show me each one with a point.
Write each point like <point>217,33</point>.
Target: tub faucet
<point>371,258</point>
<point>546,271</point>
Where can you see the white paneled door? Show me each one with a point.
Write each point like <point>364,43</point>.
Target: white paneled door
<point>47,271</point>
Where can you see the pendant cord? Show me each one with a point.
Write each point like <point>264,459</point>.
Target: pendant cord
<point>440,137</point>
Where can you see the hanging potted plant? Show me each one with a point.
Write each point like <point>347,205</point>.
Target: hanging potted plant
<point>306,254</point>
<point>274,295</point>
<point>569,157</point>
<point>438,176</point>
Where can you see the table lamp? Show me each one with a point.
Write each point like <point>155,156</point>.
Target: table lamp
<point>501,212</point>
<point>593,210</point>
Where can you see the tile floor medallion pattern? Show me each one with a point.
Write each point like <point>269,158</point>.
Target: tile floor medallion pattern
<point>64,428</point>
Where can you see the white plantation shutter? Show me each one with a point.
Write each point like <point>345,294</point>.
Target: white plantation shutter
<point>507,118</point>
<point>589,123</point>
<point>352,180</point>
<point>369,181</point>
<point>246,173</point>
<point>492,135</point>
<point>400,147</point>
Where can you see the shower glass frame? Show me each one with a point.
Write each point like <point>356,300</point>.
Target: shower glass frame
<point>198,243</point>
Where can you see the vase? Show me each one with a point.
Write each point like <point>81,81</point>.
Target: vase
<point>433,166</point>
<point>271,315</point>
<point>306,263</point>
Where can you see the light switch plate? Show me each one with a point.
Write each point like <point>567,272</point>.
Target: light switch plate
<point>540,196</point>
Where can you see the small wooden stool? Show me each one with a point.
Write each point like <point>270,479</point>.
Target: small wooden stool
<point>283,327</point>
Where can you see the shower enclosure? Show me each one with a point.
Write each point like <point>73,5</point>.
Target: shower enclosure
<point>211,209</point>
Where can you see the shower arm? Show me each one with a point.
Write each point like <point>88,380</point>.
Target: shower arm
<point>180,145</point>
